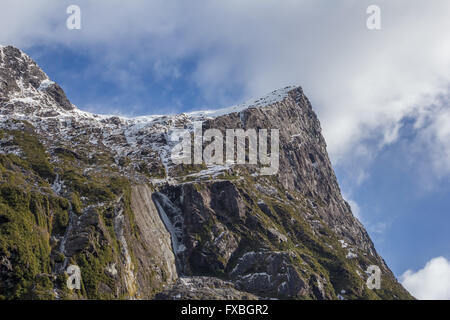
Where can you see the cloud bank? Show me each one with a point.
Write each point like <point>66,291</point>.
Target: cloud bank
<point>430,283</point>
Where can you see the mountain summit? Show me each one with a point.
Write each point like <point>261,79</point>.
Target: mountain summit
<point>103,193</point>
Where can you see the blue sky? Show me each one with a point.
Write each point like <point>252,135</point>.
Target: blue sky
<point>382,96</point>
<point>409,223</point>
<point>148,91</point>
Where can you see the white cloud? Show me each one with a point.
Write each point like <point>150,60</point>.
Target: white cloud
<point>378,227</point>
<point>430,283</point>
<point>433,140</point>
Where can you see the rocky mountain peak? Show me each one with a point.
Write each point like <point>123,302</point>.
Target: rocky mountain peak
<point>107,196</point>
<point>23,82</point>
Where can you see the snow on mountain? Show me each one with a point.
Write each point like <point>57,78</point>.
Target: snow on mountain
<point>264,101</point>
<point>33,97</point>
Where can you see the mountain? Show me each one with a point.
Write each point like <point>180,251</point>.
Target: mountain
<point>104,193</point>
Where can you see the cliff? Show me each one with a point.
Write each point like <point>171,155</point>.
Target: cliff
<point>104,193</point>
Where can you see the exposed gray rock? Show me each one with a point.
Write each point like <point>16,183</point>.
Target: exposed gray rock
<point>269,273</point>
<point>154,245</point>
<point>59,96</point>
<point>204,288</point>
<point>83,228</point>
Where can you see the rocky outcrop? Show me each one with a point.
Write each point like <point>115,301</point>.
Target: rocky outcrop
<point>153,248</point>
<point>203,288</point>
<point>269,273</point>
<point>304,163</point>
<point>17,71</point>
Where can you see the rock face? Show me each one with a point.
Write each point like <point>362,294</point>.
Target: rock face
<point>103,193</point>
<point>204,288</point>
<point>155,247</point>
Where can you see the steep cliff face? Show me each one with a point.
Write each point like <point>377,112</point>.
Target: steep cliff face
<point>103,193</point>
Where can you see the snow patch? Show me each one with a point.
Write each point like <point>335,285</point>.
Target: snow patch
<point>267,100</point>
<point>57,185</point>
<point>45,84</point>
<point>343,244</point>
